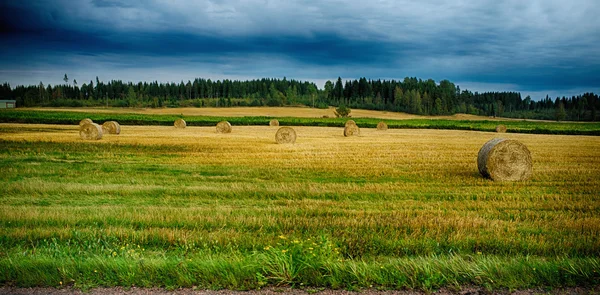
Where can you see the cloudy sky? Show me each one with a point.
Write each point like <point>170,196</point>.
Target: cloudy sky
<point>537,47</point>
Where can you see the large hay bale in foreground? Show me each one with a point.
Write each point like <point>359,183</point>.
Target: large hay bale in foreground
<point>382,126</point>
<point>350,122</point>
<point>285,135</point>
<point>223,127</point>
<point>111,127</point>
<point>501,129</point>
<point>351,130</point>
<point>180,123</point>
<point>85,121</point>
<point>90,131</point>
<point>274,122</point>
<point>504,160</point>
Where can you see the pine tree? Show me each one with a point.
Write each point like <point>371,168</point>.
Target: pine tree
<point>560,114</point>
<point>338,90</point>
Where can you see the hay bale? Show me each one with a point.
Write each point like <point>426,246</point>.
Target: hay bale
<point>111,127</point>
<point>350,122</point>
<point>285,135</point>
<point>223,127</point>
<point>180,123</point>
<point>351,130</point>
<point>85,121</point>
<point>274,122</point>
<point>501,129</point>
<point>382,126</point>
<point>90,131</point>
<point>504,160</point>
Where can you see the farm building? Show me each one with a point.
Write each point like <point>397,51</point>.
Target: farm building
<point>8,104</point>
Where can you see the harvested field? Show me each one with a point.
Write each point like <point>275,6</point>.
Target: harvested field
<point>302,112</point>
<point>159,206</point>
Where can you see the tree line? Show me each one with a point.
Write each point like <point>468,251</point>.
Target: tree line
<point>410,95</point>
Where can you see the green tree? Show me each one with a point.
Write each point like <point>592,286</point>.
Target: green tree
<point>131,96</point>
<point>499,108</point>
<point>405,101</point>
<point>560,114</point>
<point>42,91</point>
<point>328,89</point>
<point>398,95</point>
<point>338,90</point>
<point>291,94</point>
<point>275,97</point>
<point>342,111</point>
<point>312,91</point>
<point>415,101</point>
<point>378,101</point>
<point>426,103</point>
<point>437,107</point>
<point>66,79</point>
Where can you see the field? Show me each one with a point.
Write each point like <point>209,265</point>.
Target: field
<point>291,117</point>
<point>403,208</point>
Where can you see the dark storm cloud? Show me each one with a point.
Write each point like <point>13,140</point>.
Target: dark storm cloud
<point>535,45</point>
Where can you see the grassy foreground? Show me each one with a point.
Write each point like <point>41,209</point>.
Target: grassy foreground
<point>156,206</point>
<point>73,118</point>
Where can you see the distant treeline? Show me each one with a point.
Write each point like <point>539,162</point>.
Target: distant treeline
<point>411,95</point>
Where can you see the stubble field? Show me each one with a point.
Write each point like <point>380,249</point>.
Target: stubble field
<point>159,206</point>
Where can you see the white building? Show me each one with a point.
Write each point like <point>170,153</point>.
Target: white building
<point>8,104</point>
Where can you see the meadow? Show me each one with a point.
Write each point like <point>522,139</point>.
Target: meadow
<point>396,209</point>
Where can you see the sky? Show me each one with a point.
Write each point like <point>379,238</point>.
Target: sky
<point>536,47</point>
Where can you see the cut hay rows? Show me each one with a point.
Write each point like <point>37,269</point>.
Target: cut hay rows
<point>90,131</point>
<point>351,130</point>
<point>85,121</point>
<point>223,127</point>
<point>274,122</point>
<point>504,160</point>
<point>111,127</point>
<point>350,122</point>
<point>180,123</point>
<point>382,126</point>
<point>285,135</point>
<point>501,129</point>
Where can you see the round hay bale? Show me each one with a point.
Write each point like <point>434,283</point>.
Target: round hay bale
<point>382,126</point>
<point>274,122</point>
<point>350,122</point>
<point>111,127</point>
<point>285,135</point>
<point>501,129</point>
<point>85,121</point>
<point>504,160</point>
<point>351,130</point>
<point>223,127</point>
<point>180,123</point>
<point>90,131</point>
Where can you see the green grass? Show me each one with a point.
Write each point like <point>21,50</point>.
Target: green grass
<point>73,118</point>
<point>92,214</point>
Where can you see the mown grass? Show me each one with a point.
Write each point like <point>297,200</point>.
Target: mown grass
<point>156,206</point>
<point>73,118</point>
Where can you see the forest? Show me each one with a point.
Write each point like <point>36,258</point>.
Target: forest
<point>411,95</point>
